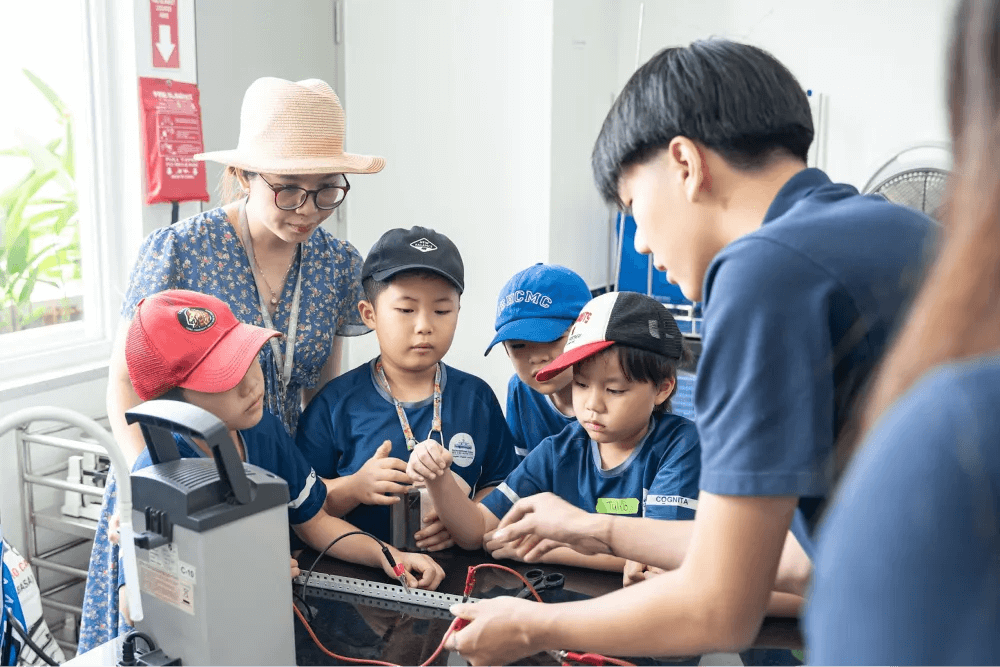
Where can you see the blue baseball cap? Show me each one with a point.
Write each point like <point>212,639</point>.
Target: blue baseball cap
<point>539,304</point>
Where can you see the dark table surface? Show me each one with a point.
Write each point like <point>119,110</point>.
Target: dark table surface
<point>362,627</point>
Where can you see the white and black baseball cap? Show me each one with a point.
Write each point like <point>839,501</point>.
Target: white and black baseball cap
<point>415,248</point>
<point>623,318</point>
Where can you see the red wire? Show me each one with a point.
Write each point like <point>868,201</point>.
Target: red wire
<point>587,658</point>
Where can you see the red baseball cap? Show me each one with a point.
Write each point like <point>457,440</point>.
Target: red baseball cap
<point>180,338</point>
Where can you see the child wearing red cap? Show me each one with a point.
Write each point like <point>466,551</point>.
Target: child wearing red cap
<point>189,346</point>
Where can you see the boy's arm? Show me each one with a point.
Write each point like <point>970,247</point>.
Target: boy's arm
<point>322,529</point>
<point>466,520</point>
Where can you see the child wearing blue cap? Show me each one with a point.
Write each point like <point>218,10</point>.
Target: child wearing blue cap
<point>535,311</point>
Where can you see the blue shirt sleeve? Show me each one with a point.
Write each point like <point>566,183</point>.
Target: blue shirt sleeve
<point>306,491</point>
<point>674,491</point>
<point>514,419</point>
<point>314,437</point>
<point>350,291</point>
<point>906,569</point>
<point>764,395</point>
<point>535,474</point>
<point>500,458</point>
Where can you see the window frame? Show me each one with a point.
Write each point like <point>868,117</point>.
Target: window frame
<point>109,186</point>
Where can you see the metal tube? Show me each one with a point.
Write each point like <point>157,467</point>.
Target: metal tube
<point>61,606</point>
<point>64,485</point>
<point>64,443</point>
<point>63,548</point>
<point>59,567</point>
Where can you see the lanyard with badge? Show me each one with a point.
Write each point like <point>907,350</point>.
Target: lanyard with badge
<point>281,361</point>
<point>404,423</point>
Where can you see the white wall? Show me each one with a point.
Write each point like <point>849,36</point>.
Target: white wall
<point>584,72</point>
<point>457,96</point>
<point>880,64</point>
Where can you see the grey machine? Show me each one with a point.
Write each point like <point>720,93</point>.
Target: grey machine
<point>213,560</point>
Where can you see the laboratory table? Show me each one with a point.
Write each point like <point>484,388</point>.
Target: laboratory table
<point>363,627</point>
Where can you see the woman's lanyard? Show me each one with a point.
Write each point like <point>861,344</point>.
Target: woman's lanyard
<point>281,361</point>
<point>404,423</point>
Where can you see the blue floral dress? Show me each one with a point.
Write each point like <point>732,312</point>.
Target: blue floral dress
<point>204,254</point>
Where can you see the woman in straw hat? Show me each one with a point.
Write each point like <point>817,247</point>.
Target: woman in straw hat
<point>264,253</point>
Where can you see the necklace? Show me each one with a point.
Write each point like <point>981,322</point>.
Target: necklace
<point>404,423</point>
<point>284,277</point>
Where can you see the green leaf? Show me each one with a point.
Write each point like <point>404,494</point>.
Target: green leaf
<point>45,160</point>
<point>49,94</point>
<point>14,152</point>
<point>68,164</point>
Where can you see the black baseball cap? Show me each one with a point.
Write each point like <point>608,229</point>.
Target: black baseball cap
<point>411,249</point>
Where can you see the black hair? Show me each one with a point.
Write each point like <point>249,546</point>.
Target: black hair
<point>374,288</point>
<point>644,366</point>
<point>733,98</point>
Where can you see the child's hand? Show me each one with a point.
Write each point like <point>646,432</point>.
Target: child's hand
<point>431,574</point>
<point>123,604</point>
<point>527,549</point>
<point>636,572</point>
<point>295,568</point>
<point>381,475</point>
<point>428,461</point>
<point>433,536</point>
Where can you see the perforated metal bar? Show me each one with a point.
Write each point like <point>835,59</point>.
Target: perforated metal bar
<point>374,589</point>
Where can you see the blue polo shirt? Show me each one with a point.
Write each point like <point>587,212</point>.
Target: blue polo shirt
<point>797,313</point>
<point>531,416</point>
<point>659,479</point>
<point>352,416</point>
<point>908,559</point>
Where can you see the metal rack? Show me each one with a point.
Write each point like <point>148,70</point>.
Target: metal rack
<point>75,532</point>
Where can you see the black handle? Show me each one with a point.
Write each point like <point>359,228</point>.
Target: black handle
<point>159,419</point>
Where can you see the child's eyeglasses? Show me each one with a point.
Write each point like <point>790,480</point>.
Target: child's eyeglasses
<point>291,197</point>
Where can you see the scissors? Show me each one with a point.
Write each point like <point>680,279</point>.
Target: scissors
<point>541,582</point>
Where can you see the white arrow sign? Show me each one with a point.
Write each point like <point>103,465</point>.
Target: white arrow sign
<point>165,45</point>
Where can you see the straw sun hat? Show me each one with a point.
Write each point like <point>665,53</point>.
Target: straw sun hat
<point>293,128</point>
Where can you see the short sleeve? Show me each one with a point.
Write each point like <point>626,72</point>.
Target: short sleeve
<point>500,458</point>
<point>514,419</point>
<point>314,438</point>
<point>535,474</point>
<point>349,287</point>
<point>764,394</point>
<point>156,269</point>
<point>306,492</point>
<point>674,491</point>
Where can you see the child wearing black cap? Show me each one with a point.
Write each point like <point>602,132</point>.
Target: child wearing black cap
<point>625,455</point>
<point>358,432</point>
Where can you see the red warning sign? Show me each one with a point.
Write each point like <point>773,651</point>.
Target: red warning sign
<point>171,130</point>
<point>163,23</point>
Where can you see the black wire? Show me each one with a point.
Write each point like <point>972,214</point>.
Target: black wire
<point>305,582</point>
<point>150,644</point>
<point>27,639</point>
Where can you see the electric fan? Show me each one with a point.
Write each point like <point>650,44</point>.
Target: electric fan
<point>915,177</point>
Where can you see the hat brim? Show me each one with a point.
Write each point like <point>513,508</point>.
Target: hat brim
<point>345,163</point>
<point>570,357</point>
<point>225,364</point>
<point>385,274</point>
<point>534,329</point>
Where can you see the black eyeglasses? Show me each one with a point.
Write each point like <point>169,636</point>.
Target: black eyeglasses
<point>291,197</point>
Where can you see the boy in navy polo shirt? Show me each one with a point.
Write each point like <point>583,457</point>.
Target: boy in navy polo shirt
<point>802,282</point>
<point>359,430</point>
<point>625,455</point>
<point>535,310</point>
<point>189,346</point>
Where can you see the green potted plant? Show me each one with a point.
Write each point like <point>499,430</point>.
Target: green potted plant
<point>39,225</point>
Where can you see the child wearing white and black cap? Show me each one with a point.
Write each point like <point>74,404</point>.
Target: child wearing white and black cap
<point>625,455</point>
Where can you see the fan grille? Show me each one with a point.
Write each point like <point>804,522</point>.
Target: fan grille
<point>922,189</point>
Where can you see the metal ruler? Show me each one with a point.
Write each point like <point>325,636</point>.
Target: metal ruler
<point>381,591</point>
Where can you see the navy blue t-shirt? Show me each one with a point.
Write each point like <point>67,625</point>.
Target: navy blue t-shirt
<point>349,419</point>
<point>908,558</point>
<point>531,416</point>
<point>797,313</point>
<point>269,446</point>
<point>659,479</point>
